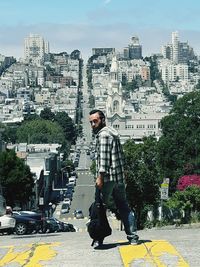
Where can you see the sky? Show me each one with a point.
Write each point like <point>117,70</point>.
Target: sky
<point>83,24</point>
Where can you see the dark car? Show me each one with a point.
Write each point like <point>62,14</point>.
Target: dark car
<point>31,214</point>
<point>70,188</point>
<point>24,224</point>
<point>28,222</point>
<point>68,227</point>
<point>63,226</point>
<point>52,225</point>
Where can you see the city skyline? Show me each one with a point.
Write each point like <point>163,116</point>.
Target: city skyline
<point>82,25</point>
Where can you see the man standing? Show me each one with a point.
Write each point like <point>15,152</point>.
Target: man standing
<point>110,173</point>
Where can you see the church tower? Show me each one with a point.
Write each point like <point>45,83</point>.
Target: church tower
<point>115,103</point>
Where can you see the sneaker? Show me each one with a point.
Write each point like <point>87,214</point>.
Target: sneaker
<point>97,244</point>
<point>133,240</point>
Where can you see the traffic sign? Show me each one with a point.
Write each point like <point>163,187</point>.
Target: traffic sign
<point>164,193</point>
<point>165,188</point>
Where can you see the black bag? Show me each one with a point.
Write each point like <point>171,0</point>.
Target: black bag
<point>98,226</point>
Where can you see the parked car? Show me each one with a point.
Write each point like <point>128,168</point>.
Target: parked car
<point>64,208</point>
<point>72,180</point>
<point>34,215</point>
<point>24,224</point>
<point>68,227</point>
<point>67,200</point>
<point>7,224</point>
<point>70,187</point>
<point>73,173</point>
<point>52,225</point>
<point>69,194</point>
<point>78,214</point>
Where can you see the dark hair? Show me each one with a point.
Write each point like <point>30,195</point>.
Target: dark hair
<point>101,114</point>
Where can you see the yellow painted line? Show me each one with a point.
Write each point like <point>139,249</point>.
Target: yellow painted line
<point>29,255</point>
<point>156,253</point>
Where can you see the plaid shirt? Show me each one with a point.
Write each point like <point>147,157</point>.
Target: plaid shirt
<point>109,155</point>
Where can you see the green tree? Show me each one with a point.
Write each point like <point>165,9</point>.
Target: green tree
<point>47,114</point>
<point>40,131</point>
<point>67,126</point>
<point>142,176</point>
<point>9,133</point>
<point>179,144</point>
<point>15,178</point>
<point>154,71</point>
<point>91,101</point>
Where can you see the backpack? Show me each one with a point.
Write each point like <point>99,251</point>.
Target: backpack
<point>98,226</point>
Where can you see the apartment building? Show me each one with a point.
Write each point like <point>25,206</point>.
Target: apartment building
<point>173,72</point>
<point>35,49</point>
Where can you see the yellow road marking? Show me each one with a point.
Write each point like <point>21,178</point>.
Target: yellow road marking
<point>30,255</point>
<point>152,253</point>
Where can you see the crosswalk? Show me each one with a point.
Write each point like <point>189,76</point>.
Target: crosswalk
<point>85,173</point>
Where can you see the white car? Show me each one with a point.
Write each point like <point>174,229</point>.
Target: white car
<point>72,180</point>
<point>67,200</point>
<point>7,224</point>
<point>64,208</point>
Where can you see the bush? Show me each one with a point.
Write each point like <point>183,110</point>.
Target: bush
<point>183,204</point>
<point>188,180</point>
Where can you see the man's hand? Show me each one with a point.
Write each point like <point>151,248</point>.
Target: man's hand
<point>99,182</point>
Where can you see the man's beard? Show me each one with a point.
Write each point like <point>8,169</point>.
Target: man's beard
<point>96,130</point>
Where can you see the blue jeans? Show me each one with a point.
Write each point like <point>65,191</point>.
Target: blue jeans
<point>114,196</point>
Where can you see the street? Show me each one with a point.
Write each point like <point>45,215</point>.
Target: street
<point>164,247</point>
<point>156,247</point>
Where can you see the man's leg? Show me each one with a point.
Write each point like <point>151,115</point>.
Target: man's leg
<point>127,216</point>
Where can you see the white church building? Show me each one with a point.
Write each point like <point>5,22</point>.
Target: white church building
<point>122,116</point>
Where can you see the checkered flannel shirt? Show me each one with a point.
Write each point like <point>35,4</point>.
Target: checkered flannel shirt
<point>109,156</point>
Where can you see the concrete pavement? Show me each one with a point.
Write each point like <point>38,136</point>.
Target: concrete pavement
<point>166,246</point>
<point>157,247</point>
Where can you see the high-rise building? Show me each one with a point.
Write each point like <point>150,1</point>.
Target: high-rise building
<point>178,52</point>
<point>175,47</point>
<point>134,49</point>
<point>35,49</point>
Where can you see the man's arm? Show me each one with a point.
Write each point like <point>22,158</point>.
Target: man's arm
<point>104,159</point>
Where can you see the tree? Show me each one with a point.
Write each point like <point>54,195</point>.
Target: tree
<point>154,71</point>
<point>76,54</point>
<point>141,176</point>
<point>15,178</point>
<point>9,133</point>
<point>179,144</point>
<point>47,114</point>
<point>67,126</point>
<point>40,131</point>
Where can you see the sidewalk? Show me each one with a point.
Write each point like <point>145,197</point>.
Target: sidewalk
<point>166,246</point>
<point>156,248</point>
<point>176,247</point>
